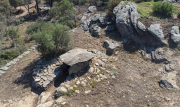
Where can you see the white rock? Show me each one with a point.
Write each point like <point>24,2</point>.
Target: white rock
<point>83,83</point>
<point>91,70</point>
<point>47,104</point>
<point>67,85</point>
<point>60,100</point>
<point>78,82</point>
<point>88,91</point>
<point>113,76</point>
<point>77,91</point>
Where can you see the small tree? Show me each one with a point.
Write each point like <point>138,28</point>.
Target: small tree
<point>163,8</point>
<point>52,39</point>
<point>65,12</point>
<point>12,34</point>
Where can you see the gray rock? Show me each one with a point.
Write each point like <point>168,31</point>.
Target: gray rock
<point>159,55</point>
<point>134,16</point>
<point>60,90</point>
<point>60,100</point>
<point>96,31</point>
<point>77,59</point>
<point>44,97</point>
<point>156,31</point>
<point>169,67</point>
<point>141,26</point>
<point>122,21</point>
<point>83,19</point>
<point>5,68</point>
<point>169,81</point>
<point>109,28</point>
<point>85,25</point>
<point>118,7</point>
<point>175,34</point>
<point>92,9</point>
<point>102,18</point>
<point>110,46</point>
<point>79,17</point>
<point>95,17</point>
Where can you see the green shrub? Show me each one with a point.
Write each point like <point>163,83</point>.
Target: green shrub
<point>34,27</point>
<point>79,2</point>
<point>9,54</point>
<point>52,39</point>
<point>68,19</point>
<point>65,12</point>
<point>111,5</point>
<point>20,41</point>
<point>163,8</point>
<point>54,11</point>
<point>12,34</point>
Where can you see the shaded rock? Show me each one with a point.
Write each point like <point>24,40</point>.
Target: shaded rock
<point>169,67</point>
<point>85,23</point>
<point>110,46</point>
<point>95,17</point>
<point>60,90</point>
<point>96,31</point>
<point>75,60</point>
<point>92,9</point>
<point>122,22</point>
<point>169,81</point>
<point>158,55</point>
<point>102,18</point>
<point>109,28</point>
<point>156,31</point>
<point>175,34</point>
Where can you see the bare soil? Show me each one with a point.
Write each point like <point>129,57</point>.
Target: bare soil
<point>135,85</point>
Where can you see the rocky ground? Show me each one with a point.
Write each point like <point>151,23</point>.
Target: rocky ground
<point>129,77</point>
<point>131,81</point>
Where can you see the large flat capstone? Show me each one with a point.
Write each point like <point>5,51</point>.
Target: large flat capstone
<point>75,56</point>
<point>77,59</point>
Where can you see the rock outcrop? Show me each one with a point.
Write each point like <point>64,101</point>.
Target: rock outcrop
<point>175,34</point>
<point>129,27</point>
<point>156,31</point>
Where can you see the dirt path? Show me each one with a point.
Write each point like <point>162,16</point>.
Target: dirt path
<point>16,83</point>
<point>43,6</point>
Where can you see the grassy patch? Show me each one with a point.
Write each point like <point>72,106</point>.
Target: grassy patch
<point>146,11</point>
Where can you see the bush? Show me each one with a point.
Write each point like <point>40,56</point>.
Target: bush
<point>34,27</point>
<point>79,2</point>
<point>52,39</point>
<point>12,34</point>
<point>163,8</point>
<point>20,41</point>
<point>111,6</point>
<point>9,54</point>
<point>65,12</point>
